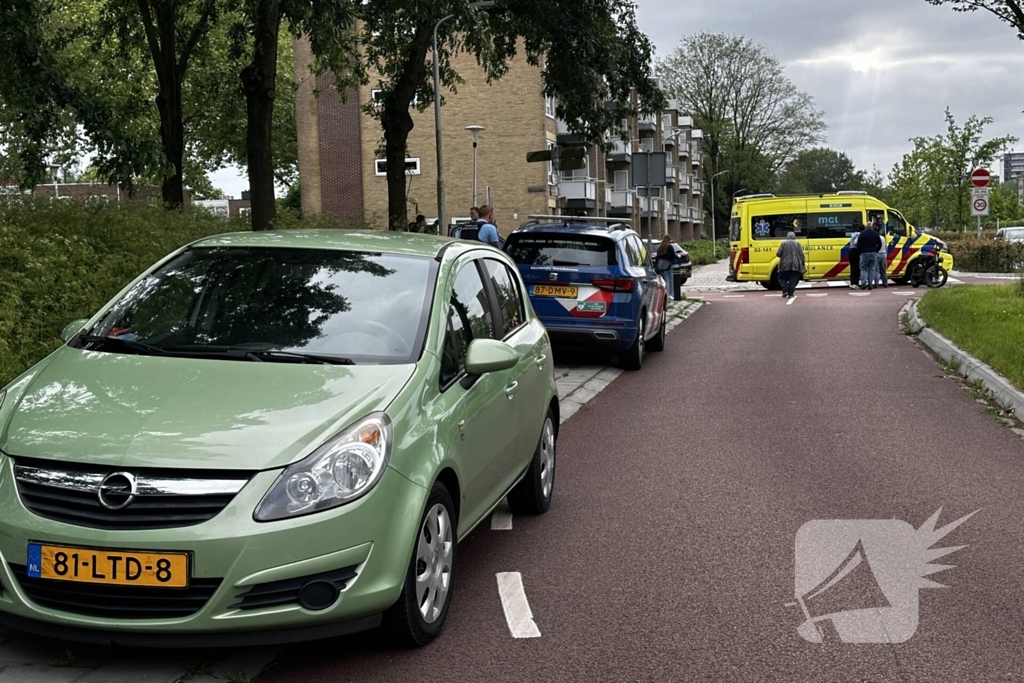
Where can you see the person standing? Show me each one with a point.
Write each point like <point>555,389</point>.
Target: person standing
<point>883,253</point>
<point>474,215</point>
<point>791,265</point>
<point>869,243</point>
<point>855,255</point>
<point>488,231</point>
<point>665,263</point>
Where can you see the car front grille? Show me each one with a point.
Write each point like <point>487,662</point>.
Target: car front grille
<point>131,499</point>
<point>117,602</point>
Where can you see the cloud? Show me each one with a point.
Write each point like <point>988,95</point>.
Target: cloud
<point>882,70</point>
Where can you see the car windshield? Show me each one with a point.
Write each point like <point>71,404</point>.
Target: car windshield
<point>562,250</point>
<point>276,304</point>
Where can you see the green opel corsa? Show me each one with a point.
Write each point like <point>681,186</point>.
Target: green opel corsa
<point>272,437</point>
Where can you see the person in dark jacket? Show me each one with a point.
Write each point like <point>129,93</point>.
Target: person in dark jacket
<point>665,263</point>
<point>869,243</point>
<point>791,265</point>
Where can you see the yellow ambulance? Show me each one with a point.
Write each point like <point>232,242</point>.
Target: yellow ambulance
<point>824,224</point>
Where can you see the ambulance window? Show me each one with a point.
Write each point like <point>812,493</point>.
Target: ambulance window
<point>776,227</point>
<point>833,225</point>
<point>897,226</point>
<point>734,230</point>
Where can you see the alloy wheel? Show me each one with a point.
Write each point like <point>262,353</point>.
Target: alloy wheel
<point>547,458</point>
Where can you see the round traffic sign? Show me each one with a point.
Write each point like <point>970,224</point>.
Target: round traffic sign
<point>980,177</point>
<point>980,204</point>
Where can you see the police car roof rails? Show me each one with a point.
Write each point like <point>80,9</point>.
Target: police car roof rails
<point>536,219</point>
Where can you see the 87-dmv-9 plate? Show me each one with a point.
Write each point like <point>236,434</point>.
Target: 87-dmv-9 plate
<point>110,567</point>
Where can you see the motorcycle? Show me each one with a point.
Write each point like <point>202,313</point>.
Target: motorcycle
<point>928,271</point>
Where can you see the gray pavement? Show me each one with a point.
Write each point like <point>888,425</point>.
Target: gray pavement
<point>668,553</point>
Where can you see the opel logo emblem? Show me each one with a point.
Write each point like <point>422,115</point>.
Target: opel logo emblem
<point>552,276</point>
<point>118,490</point>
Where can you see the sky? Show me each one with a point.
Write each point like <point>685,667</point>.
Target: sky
<point>883,71</point>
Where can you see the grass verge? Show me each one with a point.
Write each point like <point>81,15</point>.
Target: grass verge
<point>983,320</point>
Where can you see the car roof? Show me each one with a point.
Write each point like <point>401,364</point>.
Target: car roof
<point>615,231</point>
<point>378,241</point>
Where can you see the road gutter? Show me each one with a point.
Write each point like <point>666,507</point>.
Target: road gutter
<point>1004,393</point>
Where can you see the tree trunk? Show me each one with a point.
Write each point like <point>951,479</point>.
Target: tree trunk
<point>168,103</point>
<point>397,124</point>
<point>259,80</point>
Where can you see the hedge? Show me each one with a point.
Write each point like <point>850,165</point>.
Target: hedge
<point>981,255</point>
<point>62,261</point>
<point>700,251</point>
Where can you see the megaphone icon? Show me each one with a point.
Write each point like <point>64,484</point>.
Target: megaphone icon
<point>852,586</point>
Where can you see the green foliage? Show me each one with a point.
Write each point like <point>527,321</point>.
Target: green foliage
<point>755,120</point>
<point>700,251</point>
<point>62,261</point>
<point>1009,11</point>
<point>820,170</point>
<point>981,255</point>
<point>986,321</point>
<point>931,185</point>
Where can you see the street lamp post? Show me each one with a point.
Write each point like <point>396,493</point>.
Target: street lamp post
<point>441,207</point>
<point>714,233</point>
<point>475,131</point>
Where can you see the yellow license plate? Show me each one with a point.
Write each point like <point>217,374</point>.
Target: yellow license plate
<point>111,567</point>
<point>559,291</point>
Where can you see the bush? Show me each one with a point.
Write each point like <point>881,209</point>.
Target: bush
<point>63,261</point>
<point>700,251</point>
<point>981,255</point>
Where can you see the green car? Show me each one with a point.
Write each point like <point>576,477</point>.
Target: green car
<point>272,437</point>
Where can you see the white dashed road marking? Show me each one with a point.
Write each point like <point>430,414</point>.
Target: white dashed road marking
<point>817,295</point>
<point>501,518</point>
<point>733,296</point>
<point>904,293</point>
<point>860,293</point>
<point>517,608</point>
<point>791,300</point>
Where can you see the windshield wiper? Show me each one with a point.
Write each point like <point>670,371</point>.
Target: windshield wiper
<point>138,347</point>
<point>295,357</point>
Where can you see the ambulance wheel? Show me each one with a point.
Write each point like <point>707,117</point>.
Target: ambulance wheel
<point>773,284</point>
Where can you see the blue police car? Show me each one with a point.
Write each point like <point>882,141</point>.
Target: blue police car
<point>592,283</point>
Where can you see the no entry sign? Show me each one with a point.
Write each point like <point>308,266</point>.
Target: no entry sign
<point>980,177</point>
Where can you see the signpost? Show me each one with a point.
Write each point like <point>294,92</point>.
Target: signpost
<point>648,171</point>
<point>980,178</point>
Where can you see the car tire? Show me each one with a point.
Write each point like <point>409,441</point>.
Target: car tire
<point>657,342</point>
<point>633,358</point>
<point>532,495</point>
<point>774,285</point>
<point>415,620</point>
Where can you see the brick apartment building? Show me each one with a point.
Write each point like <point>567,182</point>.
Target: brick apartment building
<point>342,174</point>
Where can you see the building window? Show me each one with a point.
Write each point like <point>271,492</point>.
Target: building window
<point>377,95</point>
<point>621,181</point>
<point>412,166</point>
<point>549,106</point>
<point>551,165</point>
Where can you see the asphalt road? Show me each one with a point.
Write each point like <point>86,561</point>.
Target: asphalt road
<point>668,553</point>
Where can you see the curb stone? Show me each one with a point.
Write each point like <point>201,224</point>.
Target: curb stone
<point>1005,394</point>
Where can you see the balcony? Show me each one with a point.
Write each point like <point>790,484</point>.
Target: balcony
<point>685,181</point>
<point>650,207</point>
<point>565,136</point>
<point>578,194</point>
<point>647,122</point>
<point>621,152</point>
<point>620,202</point>
<point>671,174</point>
<point>696,186</point>
<point>675,212</point>
<point>695,215</point>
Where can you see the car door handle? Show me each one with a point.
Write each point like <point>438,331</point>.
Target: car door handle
<point>510,390</point>
<point>540,360</point>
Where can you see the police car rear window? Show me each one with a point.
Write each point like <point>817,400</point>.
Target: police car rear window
<point>562,250</point>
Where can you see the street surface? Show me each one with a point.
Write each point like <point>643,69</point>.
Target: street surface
<point>668,553</point>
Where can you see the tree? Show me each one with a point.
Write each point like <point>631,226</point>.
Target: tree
<point>602,59</point>
<point>1005,203</point>
<point>820,170</point>
<point>749,110</point>
<point>933,180</point>
<point>1010,11</point>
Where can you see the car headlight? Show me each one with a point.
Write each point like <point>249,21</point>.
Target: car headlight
<point>342,470</point>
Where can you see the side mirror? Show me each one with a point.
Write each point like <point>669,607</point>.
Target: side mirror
<point>72,329</point>
<point>489,355</point>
